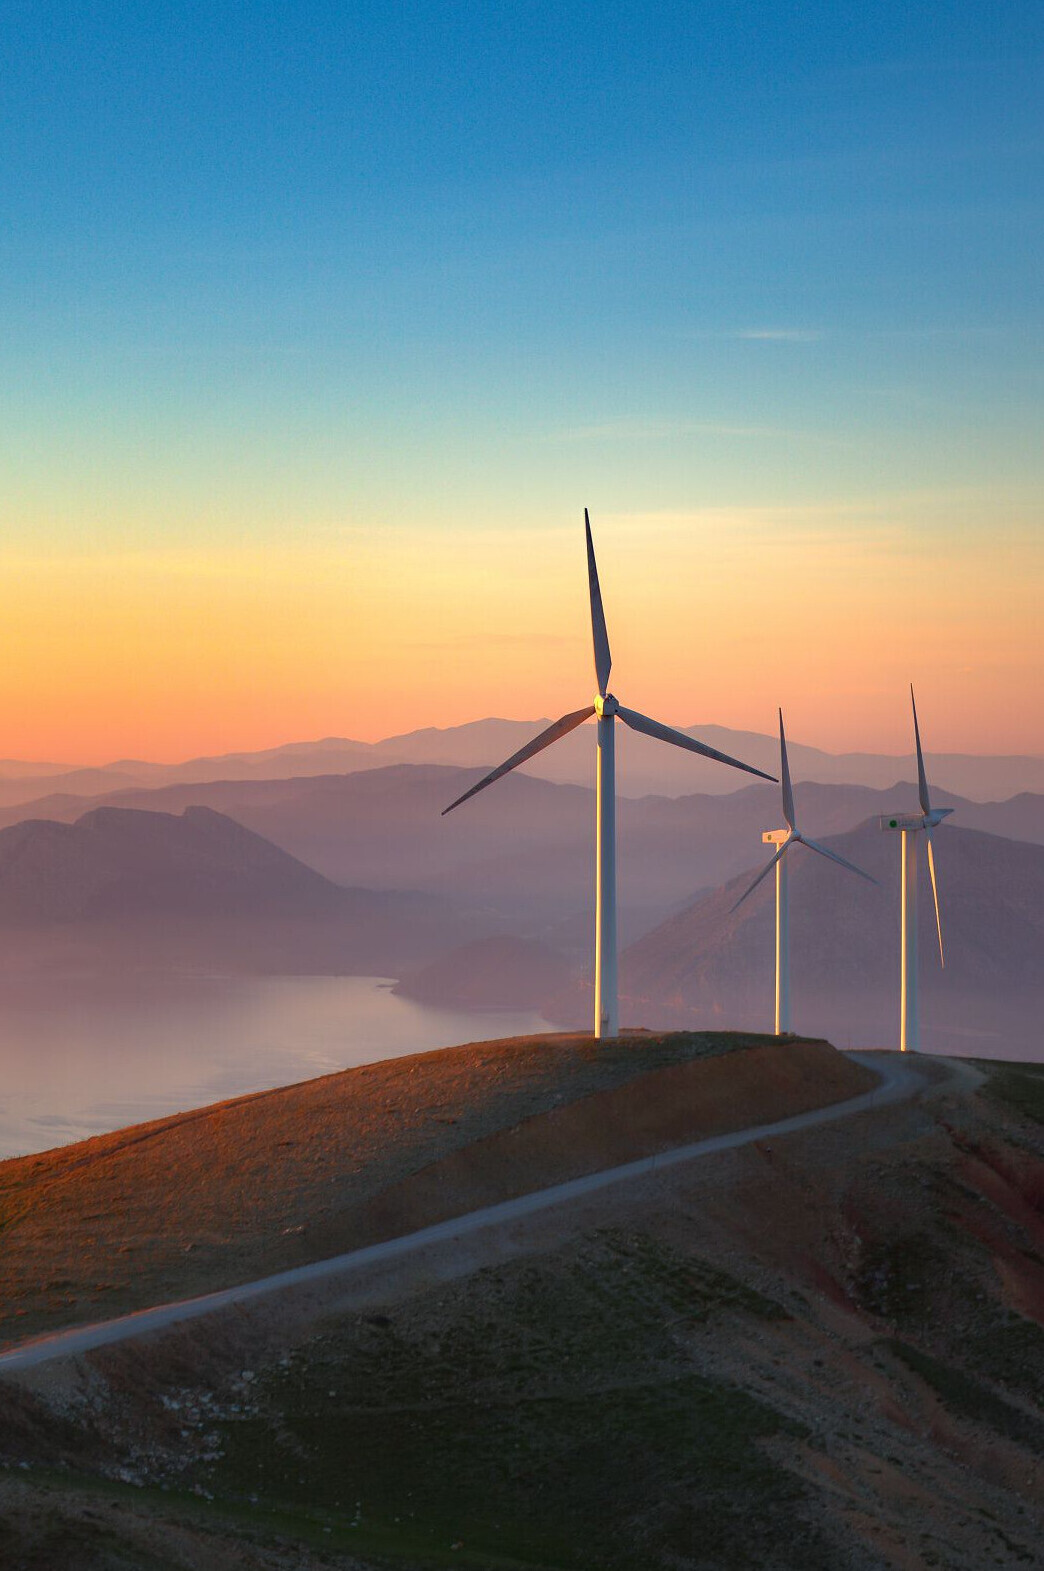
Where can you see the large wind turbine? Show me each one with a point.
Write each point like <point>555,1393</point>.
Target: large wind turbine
<point>784,839</point>
<point>911,825</point>
<point>606,707</point>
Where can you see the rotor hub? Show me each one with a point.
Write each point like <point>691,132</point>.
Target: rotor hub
<point>606,707</point>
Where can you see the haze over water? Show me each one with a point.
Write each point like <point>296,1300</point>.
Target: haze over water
<point>86,1055</point>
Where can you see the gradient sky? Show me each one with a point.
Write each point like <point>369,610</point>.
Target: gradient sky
<point>322,323</point>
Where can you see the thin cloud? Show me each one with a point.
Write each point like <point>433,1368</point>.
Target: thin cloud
<point>663,430</point>
<point>780,335</point>
<point>909,520</point>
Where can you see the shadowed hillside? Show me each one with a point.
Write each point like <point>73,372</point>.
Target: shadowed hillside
<point>116,862</point>
<point>503,972</point>
<point>122,886</point>
<point>711,961</point>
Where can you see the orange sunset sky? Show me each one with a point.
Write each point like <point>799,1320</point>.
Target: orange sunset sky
<point>364,632</point>
<point>319,339</point>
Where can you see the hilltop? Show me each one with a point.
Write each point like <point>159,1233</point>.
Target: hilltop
<point>270,1180</point>
<point>813,1351</point>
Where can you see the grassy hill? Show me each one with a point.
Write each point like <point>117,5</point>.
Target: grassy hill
<point>268,1181</point>
<point>815,1351</point>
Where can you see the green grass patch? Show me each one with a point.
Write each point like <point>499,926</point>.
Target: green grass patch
<point>548,1416</point>
<point>1018,1086</point>
<point>1012,1355</point>
<point>969,1398</point>
<point>55,1534</point>
<point>557,1479</point>
<point>898,1276</point>
<point>692,1288</point>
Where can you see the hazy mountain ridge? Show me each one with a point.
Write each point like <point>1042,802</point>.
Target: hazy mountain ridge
<point>117,861</point>
<point>710,962</point>
<point>644,766</point>
<point>359,873</point>
<point>127,885</point>
<point>524,850</point>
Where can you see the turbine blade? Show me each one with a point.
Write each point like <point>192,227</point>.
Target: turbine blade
<point>765,871</point>
<point>813,845</point>
<point>935,897</point>
<point>602,657</point>
<point>922,779</point>
<point>666,733</point>
<point>559,729</point>
<point>788,790</point>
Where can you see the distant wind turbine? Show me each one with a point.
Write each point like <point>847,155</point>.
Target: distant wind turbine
<point>911,825</point>
<point>784,839</point>
<point>606,707</point>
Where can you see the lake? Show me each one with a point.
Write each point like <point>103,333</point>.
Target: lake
<point>80,1056</point>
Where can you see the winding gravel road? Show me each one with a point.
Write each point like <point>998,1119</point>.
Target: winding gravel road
<point>899,1079</point>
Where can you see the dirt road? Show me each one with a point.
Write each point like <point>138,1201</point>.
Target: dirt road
<point>899,1079</point>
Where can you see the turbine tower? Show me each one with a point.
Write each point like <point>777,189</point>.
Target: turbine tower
<point>911,825</point>
<point>608,709</point>
<point>784,839</point>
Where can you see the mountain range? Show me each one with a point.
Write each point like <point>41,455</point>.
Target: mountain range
<point>523,853</point>
<point>710,962</point>
<point>708,966</point>
<point>643,766</point>
<point>358,873</point>
<point>123,887</point>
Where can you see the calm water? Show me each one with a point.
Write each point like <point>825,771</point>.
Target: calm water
<point>79,1057</point>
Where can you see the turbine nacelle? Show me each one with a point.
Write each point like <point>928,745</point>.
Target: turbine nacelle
<point>606,707</point>
<point>912,822</point>
<point>785,838</point>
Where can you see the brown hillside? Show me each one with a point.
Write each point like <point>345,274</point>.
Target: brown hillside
<point>665,1108</point>
<point>261,1183</point>
<point>804,1353</point>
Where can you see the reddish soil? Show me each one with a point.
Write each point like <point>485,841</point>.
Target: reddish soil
<point>247,1187</point>
<point>665,1108</point>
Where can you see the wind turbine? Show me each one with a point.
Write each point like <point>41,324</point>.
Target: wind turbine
<point>784,839</point>
<point>911,825</point>
<point>608,709</point>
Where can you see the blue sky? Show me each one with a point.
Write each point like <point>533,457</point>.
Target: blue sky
<point>444,225</point>
<point>273,272</point>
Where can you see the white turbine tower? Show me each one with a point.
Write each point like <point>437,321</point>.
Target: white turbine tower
<point>911,825</point>
<point>606,707</point>
<point>784,839</point>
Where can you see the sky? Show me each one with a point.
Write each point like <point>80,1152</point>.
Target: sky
<point>322,323</point>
